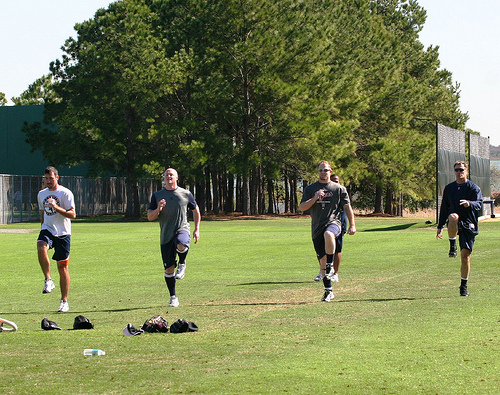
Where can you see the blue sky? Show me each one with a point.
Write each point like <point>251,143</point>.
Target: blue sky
<point>32,32</point>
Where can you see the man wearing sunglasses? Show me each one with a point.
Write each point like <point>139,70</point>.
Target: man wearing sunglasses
<point>339,241</point>
<point>325,201</point>
<point>460,208</point>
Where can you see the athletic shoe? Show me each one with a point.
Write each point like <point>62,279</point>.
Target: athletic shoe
<point>328,296</point>
<point>181,271</point>
<point>174,301</point>
<point>329,272</point>
<point>463,290</point>
<point>453,251</point>
<point>49,286</point>
<point>63,307</point>
<point>319,277</point>
<point>335,278</point>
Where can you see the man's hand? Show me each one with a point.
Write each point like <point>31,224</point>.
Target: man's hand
<point>464,203</point>
<point>439,234</point>
<point>320,194</point>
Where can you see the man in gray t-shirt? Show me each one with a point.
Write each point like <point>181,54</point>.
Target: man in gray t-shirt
<point>325,200</point>
<point>170,207</point>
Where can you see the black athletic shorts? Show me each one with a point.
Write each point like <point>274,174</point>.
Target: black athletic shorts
<point>168,250</point>
<point>319,242</point>
<point>60,244</point>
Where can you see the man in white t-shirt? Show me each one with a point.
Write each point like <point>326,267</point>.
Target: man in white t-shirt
<point>57,209</point>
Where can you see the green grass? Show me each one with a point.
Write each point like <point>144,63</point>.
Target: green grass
<point>397,323</point>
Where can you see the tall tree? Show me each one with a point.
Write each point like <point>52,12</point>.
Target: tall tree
<point>39,92</point>
<point>401,79</point>
<point>110,82</point>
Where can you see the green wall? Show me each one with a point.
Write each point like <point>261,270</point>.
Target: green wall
<point>15,154</point>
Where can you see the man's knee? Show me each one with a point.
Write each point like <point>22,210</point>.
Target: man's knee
<point>42,246</point>
<point>453,217</point>
<point>181,248</point>
<point>329,235</point>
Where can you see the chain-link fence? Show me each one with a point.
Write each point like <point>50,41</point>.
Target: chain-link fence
<point>18,196</point>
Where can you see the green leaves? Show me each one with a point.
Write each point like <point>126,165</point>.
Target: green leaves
<point>252,87</point>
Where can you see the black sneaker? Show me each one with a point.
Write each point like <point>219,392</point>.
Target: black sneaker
<point>453,251</point>
<point>463,290</point>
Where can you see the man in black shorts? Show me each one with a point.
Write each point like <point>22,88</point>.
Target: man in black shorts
<point>170,206</point>
<point>325,200</point>
<point>339,242</point>
<point>57,209</point>
<point>460,209</point>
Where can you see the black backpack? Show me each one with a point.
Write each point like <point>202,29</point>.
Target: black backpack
<point>155,324</point>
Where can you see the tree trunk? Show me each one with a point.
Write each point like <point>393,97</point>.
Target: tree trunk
<point>254,191</point>
<point>262,196</point>
<point>378,199</point>
<point>245,195</point>
<point>239,189</point>
<point>200,197</point>
<point>215,192</point>
<point>293,196</point>
<point>270,196</point>
<point>229,205</point>
<point>208,192</point>
<point>132,191</point>
<point>287,194</point>
<point>388,202</point>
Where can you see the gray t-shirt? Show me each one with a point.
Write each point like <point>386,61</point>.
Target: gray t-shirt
<point>173,217</point>
<point>329,210</point>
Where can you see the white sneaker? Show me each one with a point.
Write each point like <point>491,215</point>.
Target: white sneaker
<point>181,271</point>
<point>329,272</point>
<point>63,307</point>
<point>335,278</point>
<point>319,277</point>
<point>174,301</point>
<point>328,296</point>
<point>48,286</point>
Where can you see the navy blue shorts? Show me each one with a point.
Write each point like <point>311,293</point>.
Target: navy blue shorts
<point>61,244</point>
<point>319,242</point>
<point>168,250</point>
<point>466,239</point>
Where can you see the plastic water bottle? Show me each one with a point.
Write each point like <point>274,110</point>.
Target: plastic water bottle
<point>93,351</point>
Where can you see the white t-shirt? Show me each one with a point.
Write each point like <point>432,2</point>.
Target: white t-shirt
<point>56,223</point>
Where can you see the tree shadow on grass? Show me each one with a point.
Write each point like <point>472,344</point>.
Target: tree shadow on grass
<point>395,227</point>
<point>297,303</point>
<point>376,300</point>
<point>269,283</point>
<point>78,312</point>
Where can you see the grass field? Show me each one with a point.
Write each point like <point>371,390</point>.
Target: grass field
<point>397,323</point>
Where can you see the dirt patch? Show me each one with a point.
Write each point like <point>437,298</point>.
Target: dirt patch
<point>16,230</point>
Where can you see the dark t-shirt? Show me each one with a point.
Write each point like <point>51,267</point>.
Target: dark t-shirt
<point>329,210</point>
<point>468,216</point>
<point>173,217</point>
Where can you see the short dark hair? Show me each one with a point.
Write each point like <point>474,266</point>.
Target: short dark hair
<point>51,169</point>
<point>460,163</point>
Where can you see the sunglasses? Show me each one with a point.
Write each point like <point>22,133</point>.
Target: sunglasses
<point>324,170</point>
<point>457,170</point>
